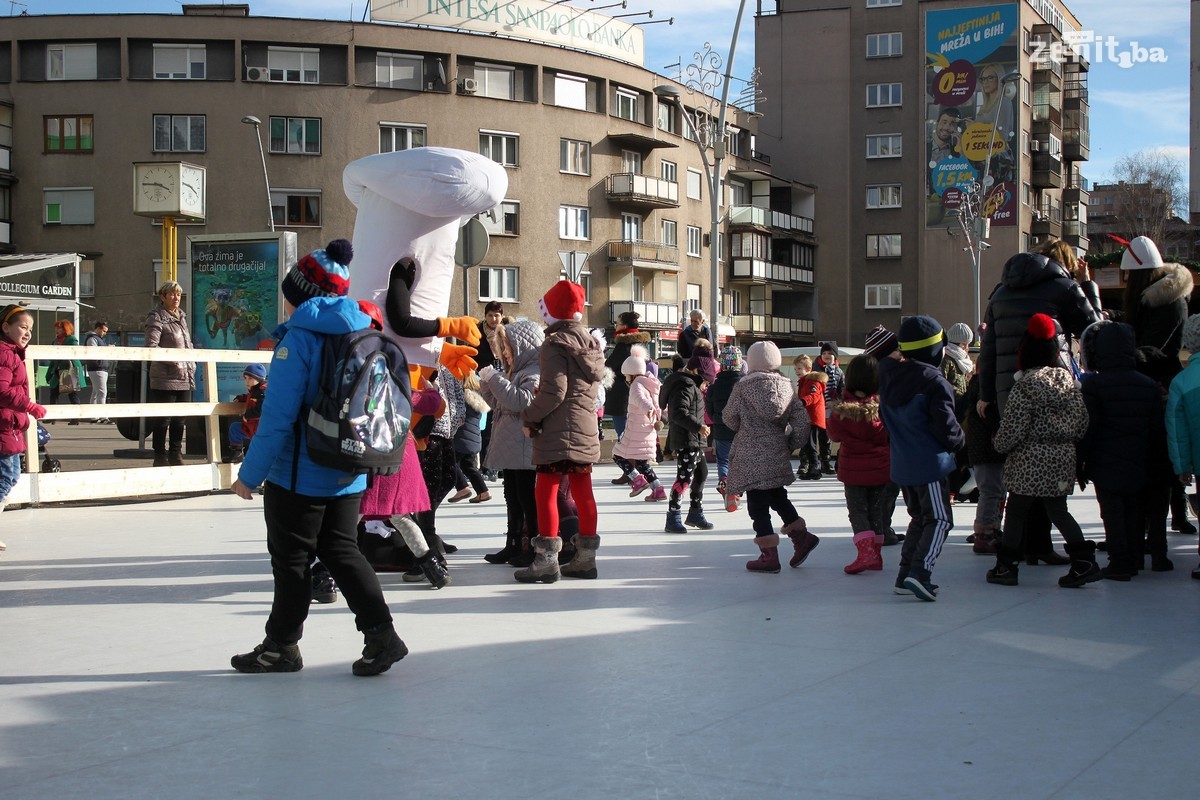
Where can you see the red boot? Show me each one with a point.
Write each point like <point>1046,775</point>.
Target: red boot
<point>768,558</point>
<point>868,554</point>
<point>802,541</point>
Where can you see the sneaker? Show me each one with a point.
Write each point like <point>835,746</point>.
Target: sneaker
<point>721,487</point>
<point>269,657</point>
<point>732,502</point>
<point>382,649</point>
<point>324,590</point>
<point>922,590</point>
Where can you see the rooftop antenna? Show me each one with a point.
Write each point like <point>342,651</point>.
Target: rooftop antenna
<point>12,7</point>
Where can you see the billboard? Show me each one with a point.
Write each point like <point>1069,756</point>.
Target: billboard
<point>972,116</point>
<point>539,20</point>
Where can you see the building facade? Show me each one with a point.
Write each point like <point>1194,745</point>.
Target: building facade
<point>598,164</point>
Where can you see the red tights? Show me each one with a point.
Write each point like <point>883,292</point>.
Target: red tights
<point>546,495</point>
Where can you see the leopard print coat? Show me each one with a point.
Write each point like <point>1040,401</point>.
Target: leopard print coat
<point>1044,417</point>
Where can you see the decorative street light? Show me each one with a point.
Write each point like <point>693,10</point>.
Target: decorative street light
<point>257,123</point>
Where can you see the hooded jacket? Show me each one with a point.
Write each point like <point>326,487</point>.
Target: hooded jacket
<point>617,399</point>
<point>680,396</point>
<point>916,405</point>
<point>1162,310</point>
<point>1125,410</point>
<point>164,329</point>
<point>509,395</point>
<point>564,410</point>
<point>811,388</point>
<point>468,439</point>
<point>15,404</point>
<point>715,401</point>
<point>863,459</point>
<point>770,423</point>
<point>451,419</point>
<point>295,372</point>
<point>641,430</point>
<point>1043,420</point>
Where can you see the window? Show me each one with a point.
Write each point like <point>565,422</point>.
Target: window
<point>694,238</point>
<point>570,91</point>
<point>574,157</point>
<point>665,117</point>
<point>631,228</point>
<point>69,206</point>
<point>179,133</point>
<point>496,80</point>
<point>669,171</point>
<point>503,220</point>
<point>884,45</point>
<point>735,141</point>
<point>670,232</point>
<point>294,65</point>
<point>882,3</point>
<point>396,136</point>
<point>1026,194</point>
<point>625,105</point>
<point>87,278</point>
<point>498,283</point>
<point>296,207</point>
<point>884,94</point>
<point>739,193</point>
<point>750,245</point>
<point>296,135</point>
<point>68,134</point>
<point>695,179</point>
<point>883,195</point>
<point>179,62</point>
<point>399,71</point>
<point>71,62</point>
<point>883,295</point>
<point>883,245</point>
<point>1026,92</point>
<point>884,145</point>
<point>574,222</point>
<point>500,147</point>
<point>631,162</point>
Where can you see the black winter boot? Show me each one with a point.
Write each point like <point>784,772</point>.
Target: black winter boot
<point>512,547</point>
<point>695,519</point>
<point>382,648</point>
<point>675,522</point>
<point>1083,565</point>
<point>433,568</point>
<point>1005,571</point>
<point>827,466</point>
<point>524,555</point>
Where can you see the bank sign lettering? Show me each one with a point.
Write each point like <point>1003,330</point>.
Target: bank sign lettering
<point>542,21</point>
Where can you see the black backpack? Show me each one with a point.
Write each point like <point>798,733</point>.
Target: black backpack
<point>360,416</point>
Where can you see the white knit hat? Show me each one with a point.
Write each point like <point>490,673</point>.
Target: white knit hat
<point>763,357</point>
<point>1142,253</point>
<point>633,366</point>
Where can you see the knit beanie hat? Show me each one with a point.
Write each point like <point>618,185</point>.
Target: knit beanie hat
<point>1039,343</point>
<point>1191,334</point>
<point>705,365</point>
<point>763,357</point>
<point>880,342</point>
<point>959,333</point>
<point>258,371</point>
<point>564,301</point>
<point>321,273</point>
<point>731,358</point>
<point>921,339</point>
<point>633,366</point>
<point>1142,253</point>
<point>829,347</point>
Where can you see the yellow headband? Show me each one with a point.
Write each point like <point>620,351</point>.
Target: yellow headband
<point>12,313</point>
<point>932,340</point>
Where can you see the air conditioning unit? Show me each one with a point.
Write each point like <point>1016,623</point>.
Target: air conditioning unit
<point>1034,146</point>
<point>257,74</point>
<point>468,86</point>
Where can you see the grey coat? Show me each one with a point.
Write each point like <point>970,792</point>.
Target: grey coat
<point>163,329</point>
<point>769,421</point>
<point>509,395</point>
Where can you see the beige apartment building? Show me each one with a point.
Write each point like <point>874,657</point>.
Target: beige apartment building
<point>891,107</point>
<point>597,163</point>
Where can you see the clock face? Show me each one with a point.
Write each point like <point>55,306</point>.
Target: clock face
<point>191,190</point>
<point>157,185</point>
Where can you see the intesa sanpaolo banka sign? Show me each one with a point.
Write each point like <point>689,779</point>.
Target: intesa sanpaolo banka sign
<point>523,19</point>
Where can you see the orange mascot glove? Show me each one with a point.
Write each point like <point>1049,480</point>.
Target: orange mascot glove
<point>457,359</point>
<point>464,328</point>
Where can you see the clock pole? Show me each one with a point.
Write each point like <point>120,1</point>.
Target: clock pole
<point>170,242</point>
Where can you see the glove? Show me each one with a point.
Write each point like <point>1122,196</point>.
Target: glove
<point>457,358</point>
<point>464,328</point>
<point>38,411</point>
<point>486,373</point>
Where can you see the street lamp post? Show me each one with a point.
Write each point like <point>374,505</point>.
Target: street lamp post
<point>257,123</point>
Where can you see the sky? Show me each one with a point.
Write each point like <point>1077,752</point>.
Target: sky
<point>1133,107</point>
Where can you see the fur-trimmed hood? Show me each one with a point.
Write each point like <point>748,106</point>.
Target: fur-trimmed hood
<point>631,337</point>
<point>854,409</point>
<point>817,376</point>
<point>606,380</point>
<point>1175,285</point>
<point>475,401</point>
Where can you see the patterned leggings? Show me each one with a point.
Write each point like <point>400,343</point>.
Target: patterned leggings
<point>692,470</point>
<point>631,468</point>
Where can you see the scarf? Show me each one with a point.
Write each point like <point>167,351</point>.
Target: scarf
<point>960,358</point>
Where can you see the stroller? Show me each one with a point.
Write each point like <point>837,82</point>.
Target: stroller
<point>49,462</point>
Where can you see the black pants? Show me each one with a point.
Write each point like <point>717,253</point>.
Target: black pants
<point>300,528</point>
<point>1017,516</point>
<point>466,472</point>
<point>869,507</point>
<point>1124,516</point>
<point>163,425</point>
<point>761,502</point>
<point>930,521</point>
<point>691,471</point>
<point>520,502</point>
<point>72,397</point>
<point>1156,501</point>
<point>437,465</point>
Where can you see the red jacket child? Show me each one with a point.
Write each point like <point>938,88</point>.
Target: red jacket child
<point>811,390</point>
<point>863,459</point>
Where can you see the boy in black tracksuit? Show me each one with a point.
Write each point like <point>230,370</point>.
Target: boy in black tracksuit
<point>917,407</point>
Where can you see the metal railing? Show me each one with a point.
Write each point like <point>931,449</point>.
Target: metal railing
<point>768,218</point>
<point>763,270</point>
<point>768,324</point>
<point>658,253</point>
<point>663,314</point>
<point>632,186</point>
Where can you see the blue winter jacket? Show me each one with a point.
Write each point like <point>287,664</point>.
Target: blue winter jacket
<point>1183,419</point>
<point>917,407</point>
<point>295,370</point>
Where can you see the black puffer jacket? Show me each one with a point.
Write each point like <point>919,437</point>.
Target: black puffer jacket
<point>1162,310</point>
<point>616,401</point>
<point>979,430</point>
<point>1030,284</point>
<point>1125,410</point>
<point>715,400</point>
<point>680,396</point>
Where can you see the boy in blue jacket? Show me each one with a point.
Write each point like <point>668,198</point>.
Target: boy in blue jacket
<point>917,407</point>
<point>311,511</point>
<point>1183,411</point>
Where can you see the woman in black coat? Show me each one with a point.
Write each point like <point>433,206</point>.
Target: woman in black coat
<point>616,401</point>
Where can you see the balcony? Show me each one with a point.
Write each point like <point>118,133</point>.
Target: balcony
<point>1075,95</point>
<point>1047,113</point>
<point>633,189</point>
<point>650,315</point>
<point>1075,233</point>
<point>1076,190</point>
<point>647,255</point>
<point>757,270</point>
<point>1047,220</point>
<point>766,219</point>
<point>1047,171</point>
<point>1077,144</point>
<point>760,157</point>
<point>768,325</point>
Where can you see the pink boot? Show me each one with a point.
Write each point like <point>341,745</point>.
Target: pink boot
<point>802,541</point>
<point>656,494</point>
<point>768,557</point>
<point>638,485</point>
<point>868,554</point>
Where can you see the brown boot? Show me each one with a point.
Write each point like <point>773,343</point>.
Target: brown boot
<point>803,542</point>
<point>985,540</point>
<point>768,557</point>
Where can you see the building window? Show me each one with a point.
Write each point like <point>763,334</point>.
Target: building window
<point>399,71</point>
<point>503,220</point>
<point>498,283</point>
<point>177,62</point>
<point>294,65</point>
<point>665,117</point>
<point>691,298</point>
<point>68,134</point>
<point>500,147</point>
<point>883,295</point>
<point>668,171</point>
<point>884,94</point>
<point>570,91</point>
<point>574,222</point>
<point>750,245</point>
<point>296,207</point>
<point>71,62</point>
<point>87,277</point>
<point>69,206</point>
<point>884,145</point>
<point>739,193</point>
<point>883,245</point>
<point>882,3</point>
<point>574,157</point>
<point>884,45</point>
<point>694,237</point>
<point>1026,92</point>
<point>496,80</point>
<point>394,137</point>
<point>296,135</point>
<point>179,133</point>
<point>695,179</point>
<point>883,195</point>
<point>735,142</point>
<point>670,232</point>
<point>1026,194</point>
<point>625,104</point>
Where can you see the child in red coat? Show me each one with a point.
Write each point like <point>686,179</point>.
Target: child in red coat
<point>811,391</point>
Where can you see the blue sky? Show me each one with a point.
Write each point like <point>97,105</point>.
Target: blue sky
<point>1143,106</point>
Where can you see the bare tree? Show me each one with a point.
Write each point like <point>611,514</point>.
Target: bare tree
<point>1150,190</point>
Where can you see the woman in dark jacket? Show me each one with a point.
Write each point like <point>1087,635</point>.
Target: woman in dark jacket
<point>616,402</point>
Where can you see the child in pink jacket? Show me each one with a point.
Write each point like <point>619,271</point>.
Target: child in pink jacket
<point>635,451</point>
